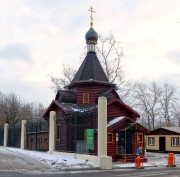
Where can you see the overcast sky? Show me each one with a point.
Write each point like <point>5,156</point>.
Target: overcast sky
<point>38,36</point>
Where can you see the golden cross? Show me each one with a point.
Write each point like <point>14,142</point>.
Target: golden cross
<point>91,16</point>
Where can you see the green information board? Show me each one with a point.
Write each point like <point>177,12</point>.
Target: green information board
<point>90,139</point>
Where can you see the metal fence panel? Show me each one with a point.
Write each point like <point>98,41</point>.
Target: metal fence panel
<point>1,135</point>
<point>81,147</point>
<point>14,135</point>
<point>37,135</point>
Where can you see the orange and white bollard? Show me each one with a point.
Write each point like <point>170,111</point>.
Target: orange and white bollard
<point>171,160</point>
<point>139,163</point>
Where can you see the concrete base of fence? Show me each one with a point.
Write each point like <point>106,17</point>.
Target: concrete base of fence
<point>104,163</point>
<point>91,158</point>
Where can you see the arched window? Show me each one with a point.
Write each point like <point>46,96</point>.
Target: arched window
<point>86,98</point>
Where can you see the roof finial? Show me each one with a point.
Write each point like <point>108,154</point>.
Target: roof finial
<point>91,16</point>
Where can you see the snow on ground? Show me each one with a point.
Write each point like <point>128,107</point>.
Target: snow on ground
<point>55,162</point>
<point>115,120</point>
<point>154,160</point>
<point>17,159</point>
<point>160,159</point>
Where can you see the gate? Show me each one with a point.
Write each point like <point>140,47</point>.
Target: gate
<point>37,135</point>
<point>1,135</point>
<point>14,135</point>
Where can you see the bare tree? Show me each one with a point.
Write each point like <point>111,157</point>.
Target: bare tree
<point>155,104</point>
<point>148,103</point>
<point>32,111</point>
<point>27,111</point>
<point>176,112</point>
<point>13,110</point>
<point>168,103</point>
<point>67,76</point>
<point>10,108</point>
<point>110,54</point>
<point>38,110</point>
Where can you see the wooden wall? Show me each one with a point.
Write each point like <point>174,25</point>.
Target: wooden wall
<point>168,146</point>
<point>135,143</point>
<point>42,141</point>
<point>114,110</point>
<point>93,91</point>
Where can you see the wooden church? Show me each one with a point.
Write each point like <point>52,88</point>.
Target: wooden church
<point>76,109</point>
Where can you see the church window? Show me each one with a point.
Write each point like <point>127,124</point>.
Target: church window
<point>140,138</point>
<point>110,138</point>
<point>85,98</point>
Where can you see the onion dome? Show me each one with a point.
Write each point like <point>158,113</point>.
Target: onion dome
<point>91,36</point>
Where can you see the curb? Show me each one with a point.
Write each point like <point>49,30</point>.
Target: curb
<point>79,169</point>
<point>135,167</point>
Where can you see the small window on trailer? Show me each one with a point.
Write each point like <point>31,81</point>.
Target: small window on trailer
<point>175,141</point>
<point>151,141</point>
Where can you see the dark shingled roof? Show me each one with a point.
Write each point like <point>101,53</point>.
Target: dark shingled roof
<point>66,96</point>
<point>108,90</point>
<point>171,129</point>
<point>70,107</point>
<point>90,69</point>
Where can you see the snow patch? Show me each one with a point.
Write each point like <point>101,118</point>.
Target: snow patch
<point>115,120</point>
<point>52,160</point>
<point>59,162</point>
<point>154,160</point>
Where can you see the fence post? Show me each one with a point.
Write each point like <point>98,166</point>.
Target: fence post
<point>6,134</point>
<point>52,124</point>
<point>23,134</point>
<point>105,162</point>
